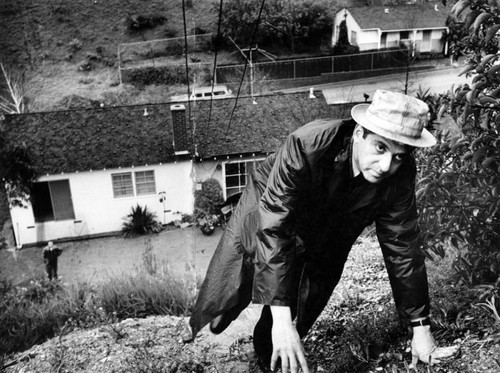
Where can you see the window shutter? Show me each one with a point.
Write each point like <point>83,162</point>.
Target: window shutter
<point>62,203</point>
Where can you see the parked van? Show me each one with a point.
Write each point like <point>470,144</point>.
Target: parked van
<point>205,93</point>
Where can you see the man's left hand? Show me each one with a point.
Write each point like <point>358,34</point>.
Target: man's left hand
<point>424,348</point>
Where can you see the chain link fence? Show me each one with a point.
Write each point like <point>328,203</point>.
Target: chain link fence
<point>161,58</point>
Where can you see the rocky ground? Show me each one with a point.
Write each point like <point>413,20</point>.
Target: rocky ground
<point>358,332</point>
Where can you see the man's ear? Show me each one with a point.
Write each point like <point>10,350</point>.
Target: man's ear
<point>357,135</point>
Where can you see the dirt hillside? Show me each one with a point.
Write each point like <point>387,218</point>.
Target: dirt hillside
<point>49,41</point>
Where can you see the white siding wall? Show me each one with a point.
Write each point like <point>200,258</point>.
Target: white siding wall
<point>96,209</point>
<point>368,40</point>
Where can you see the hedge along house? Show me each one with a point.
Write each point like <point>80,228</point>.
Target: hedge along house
<point>421,26</point>
<point>98,163</point>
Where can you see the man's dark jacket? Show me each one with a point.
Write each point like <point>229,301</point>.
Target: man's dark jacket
<point>296,222</point>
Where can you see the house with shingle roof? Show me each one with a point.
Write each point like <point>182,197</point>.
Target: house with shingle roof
<point>421,25</point>
<point>96,164</point>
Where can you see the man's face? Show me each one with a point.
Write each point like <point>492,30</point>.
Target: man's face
<point>375,156</point>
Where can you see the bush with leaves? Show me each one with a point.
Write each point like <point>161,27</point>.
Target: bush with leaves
<point>208,200</point>
<point>140,221</point>
<point>297,24</point>
<point>140,22</point>
<point>459,185</point>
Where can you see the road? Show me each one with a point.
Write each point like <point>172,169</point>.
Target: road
<point>438,80</point>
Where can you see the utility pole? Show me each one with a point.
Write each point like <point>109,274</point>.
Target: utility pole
<point>250,63</point>
<point>249,59</point>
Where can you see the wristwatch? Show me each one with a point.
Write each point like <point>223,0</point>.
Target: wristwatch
<point>422,322</point>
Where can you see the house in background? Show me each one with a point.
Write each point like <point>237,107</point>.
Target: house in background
<point>420,25</point>
<point>96,164</point>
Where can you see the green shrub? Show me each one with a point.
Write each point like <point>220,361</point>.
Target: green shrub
<point>137,23</point>
<point>458,196</point>
<point>37,312</point>
<point>157,75</point>
<point>207,201</point>
<point>140,221</point>
<point>30,315</point>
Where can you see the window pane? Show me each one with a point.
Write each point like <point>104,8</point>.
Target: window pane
<point>145,182</point>
<point>236,176</point>
<point>243,180</point>
<point>232,168</point>
<point>61,200</point>
<point>42,205</point>
<point>122,185</point>
<point>232,181</point>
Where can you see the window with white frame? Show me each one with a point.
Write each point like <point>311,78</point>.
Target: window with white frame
<point>130,184</point>
<point>51,201</point>
<point>236,175</point>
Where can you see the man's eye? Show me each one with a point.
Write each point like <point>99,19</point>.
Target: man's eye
<point>399,157</point>
<point>380,147</point>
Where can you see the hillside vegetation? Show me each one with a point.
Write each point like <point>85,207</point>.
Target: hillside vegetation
<point>66,50</point>
<point>48,41</point>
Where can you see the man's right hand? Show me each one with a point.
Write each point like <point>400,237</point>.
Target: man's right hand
<point>286,342</point>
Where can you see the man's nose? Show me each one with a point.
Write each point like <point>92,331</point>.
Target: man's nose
<point>385,162</point>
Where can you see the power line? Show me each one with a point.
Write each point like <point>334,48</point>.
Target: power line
<point>186,62</point>
<point>245,68</point>
<point>218,38</point>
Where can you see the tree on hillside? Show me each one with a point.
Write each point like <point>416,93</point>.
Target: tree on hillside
<point>16,160</point>
<point>343,46</point>
<point>12,99</point>
<point>305,24</point>
<point>290,23</point>
<point>238,19</point>
<point>16,169</point>
<point>459,188</point>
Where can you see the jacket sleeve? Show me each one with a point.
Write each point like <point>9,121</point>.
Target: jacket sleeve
<point>398,235</point>
<point>276,237</point>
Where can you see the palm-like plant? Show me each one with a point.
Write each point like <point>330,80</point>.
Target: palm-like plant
<point>140,221</point>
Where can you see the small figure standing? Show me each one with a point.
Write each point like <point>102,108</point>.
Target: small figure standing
<point>50,254</point>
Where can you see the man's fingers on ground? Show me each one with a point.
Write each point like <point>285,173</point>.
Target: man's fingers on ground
<point>442,352</point>
<point>274,358</point>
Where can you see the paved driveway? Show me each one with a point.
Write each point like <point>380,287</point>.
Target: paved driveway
<point>183,250</point>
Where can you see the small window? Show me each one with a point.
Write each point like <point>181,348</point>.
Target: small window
<point>404,35</point>
<point>122,185</point>
<point>145,183</point>
<point>140,183</point>
<point>52,201</point>
<point>354,38</point>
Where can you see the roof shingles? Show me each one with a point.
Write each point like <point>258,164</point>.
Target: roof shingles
<point>401,17</point>
<point>112,137</point>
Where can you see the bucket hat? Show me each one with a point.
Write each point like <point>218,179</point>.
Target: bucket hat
<point>397,117</point>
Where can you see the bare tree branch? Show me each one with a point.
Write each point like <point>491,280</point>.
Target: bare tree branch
<point>14,102</point>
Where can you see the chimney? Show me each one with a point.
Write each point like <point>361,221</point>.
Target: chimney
<point>181,134</point>
<point>386,10</point>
